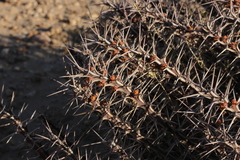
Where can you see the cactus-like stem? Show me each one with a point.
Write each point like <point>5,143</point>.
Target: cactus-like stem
<point>149,58</point>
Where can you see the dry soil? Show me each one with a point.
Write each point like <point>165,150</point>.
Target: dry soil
<point>34,35</point>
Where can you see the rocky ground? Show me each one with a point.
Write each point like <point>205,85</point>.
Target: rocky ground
<point>33,40</point>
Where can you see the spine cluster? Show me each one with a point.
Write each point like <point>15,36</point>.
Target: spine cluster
<point>163,79</point>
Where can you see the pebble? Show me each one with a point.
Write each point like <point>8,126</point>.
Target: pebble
<point>39,9</point>
<point>77,4</point>
<point>60,7</point>
<point>56,29</point>
<point>16,68</point>
<point>57,2</point>
<point>35,15</point>
<point>34,3</point>
<point>41,38</point>
<point>11,1</point>
<point>6,18</point>
<point>60,17</point>
<point>72,21</point>
<point>4,52</point>
<point>14,28</point>
<point>94,16</point>
<point>28,5</point>
<point>31,34</point>
<point>41,2</point>
<point>17,18</point>
<point>56,42</point>
<point>49,16</point>
<point>21,49</point>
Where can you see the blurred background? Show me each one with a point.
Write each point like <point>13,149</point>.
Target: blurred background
<point>34,35</point>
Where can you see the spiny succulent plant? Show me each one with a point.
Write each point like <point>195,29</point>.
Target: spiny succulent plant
<point>164,76</point>
<point>157,80</point>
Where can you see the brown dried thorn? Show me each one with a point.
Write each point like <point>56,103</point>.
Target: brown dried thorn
<point>152,58</point>
<point>121,43</point>
<point>113,78</point>
<point>114,52</point>
<point>216,38</point>
<point>198,28</point>
<point>190,29</point>
<point>163,66</point>
<point>114,88</point>
<point>136,92</point>
<point>228,4</point>
<point>218,123</point>
<point>103,71</point>
<point>164,4</point>
<point>233,101</point>
<point>223,105</point>
<point>135,19</point>
<point>102,62</point>
<point>236,2</point>
<point>233,45</point>
<point>92,68</point>
<point>114,43</point>
<point>130,71</point>
<point>124,59</point>
<point>101,83</point>
<point>89,79</point>
<point>92,98</point>
<point>104,102</point>
<point>224,38</point>
<point>125,50</point>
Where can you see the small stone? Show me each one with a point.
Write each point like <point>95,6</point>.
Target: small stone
<point>33,33</point>
<point>76,4</point>
<point>39,9</point>
<point>34,3</point>
<point>21,49</point>
<point>29,35</point>
<point>64,25</point>
<point>41,38</point>
<point>49,16</point>
<point>49,33</point>
<point>10,1</point>
<point>58,43</point>
<point>56,29</point>
<point>57,2</point>
<point>4,52</point>
<point>72,21</point>
<point>27,5</point>
<point>17,18</point>
<point>6,18</point>
<point>35,15</point>
<point>54,42</point>
<point>16,68</point>
<point>41,25</point>
<point>94,16</point>
<point>41,2</point>
<point>60,17</point>
<point>60,7</point>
